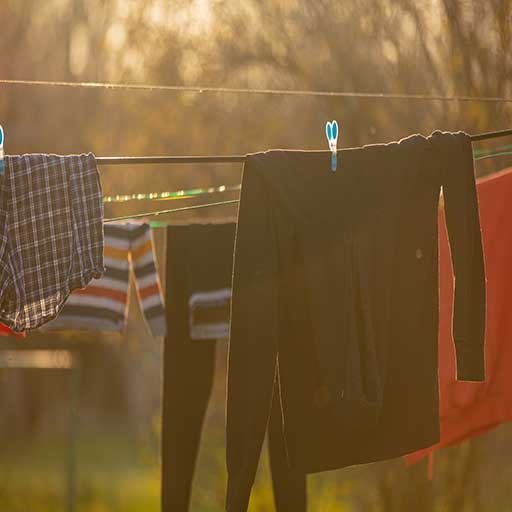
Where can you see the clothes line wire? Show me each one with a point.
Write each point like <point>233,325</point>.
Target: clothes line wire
<point>162,212</point>
<point>241,90</point>
<point>165,196</point>
<point>136,160</point>
<point>490,135</point>
<point>482,151</point>
<point>200,192</point>
<point>222,203</point>
<point>241,158</point>
<point>494,155</point>
<point>129,160</point>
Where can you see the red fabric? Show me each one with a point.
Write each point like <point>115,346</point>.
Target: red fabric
<point>471,408</point>
<point>6,331</point>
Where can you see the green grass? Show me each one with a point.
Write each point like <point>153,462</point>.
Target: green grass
<point>113,474</point>
<point>117,473</point>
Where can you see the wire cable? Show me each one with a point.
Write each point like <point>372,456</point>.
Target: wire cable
<point>166,196</point>
<point>200,192</point>
<point>127,160</point>
<point>240,90</point>
<point>483,151</point>
<point>494,155</point>
<point>222,203</point>
<point>175,210</point>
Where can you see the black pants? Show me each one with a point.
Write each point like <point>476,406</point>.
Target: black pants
<point>188,378</point>
<point>198,258</point>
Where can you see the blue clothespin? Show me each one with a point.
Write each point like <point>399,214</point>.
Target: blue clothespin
<point>331,130</point>
<point>1,151</point>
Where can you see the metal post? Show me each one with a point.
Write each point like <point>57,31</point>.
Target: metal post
<point>74,378</point>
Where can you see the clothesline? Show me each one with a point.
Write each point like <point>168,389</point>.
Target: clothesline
<point>241,90</point>
<point>178,194</point>
<point>233,158</point>
<point>494,155</point>
<point>482,151</point>
<point>199,192</point>
<point>222,203</point>
<point>207,205</point>
<point>175,210</point>
<point>162,212</point>
<point>133,160</point>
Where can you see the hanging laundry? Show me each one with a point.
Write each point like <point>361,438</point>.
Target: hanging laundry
<point>335,286</point>
<point>209,314</point>
<point>199,263</point>
<point>51,235</point>
<point>6,331</point>
<point>104,305</point>
<point>470,409</point>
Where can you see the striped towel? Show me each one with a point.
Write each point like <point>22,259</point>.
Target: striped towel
<point>103,306</point>
<point>209,314</point>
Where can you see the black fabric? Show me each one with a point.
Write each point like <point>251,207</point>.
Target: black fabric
<point>289,486</point>
<point>199,259</point>
<point>336,285</point>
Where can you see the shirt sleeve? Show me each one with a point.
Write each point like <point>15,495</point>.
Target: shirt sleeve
<point>147,281</point>
<point>463,224</point>
<point>253,336</point>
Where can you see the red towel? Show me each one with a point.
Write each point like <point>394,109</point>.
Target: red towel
<point>470,408</point>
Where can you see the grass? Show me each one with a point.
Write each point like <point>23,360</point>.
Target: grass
<point>113,475</point>
<point>119,473</point>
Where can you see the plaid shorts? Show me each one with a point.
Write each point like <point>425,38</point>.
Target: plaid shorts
<point>51,234</point>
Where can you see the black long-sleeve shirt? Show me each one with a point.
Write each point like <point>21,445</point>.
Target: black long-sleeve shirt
<point>336,288</point>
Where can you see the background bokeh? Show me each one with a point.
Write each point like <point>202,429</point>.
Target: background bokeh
<point>442,47</point>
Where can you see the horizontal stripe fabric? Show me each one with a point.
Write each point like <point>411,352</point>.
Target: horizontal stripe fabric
<point>129,250</point>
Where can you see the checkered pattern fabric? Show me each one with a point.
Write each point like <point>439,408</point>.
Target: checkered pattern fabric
<point>51,234</point>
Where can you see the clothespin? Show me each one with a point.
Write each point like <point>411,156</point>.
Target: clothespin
<point>1,151</point>
<point>331,130</point>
